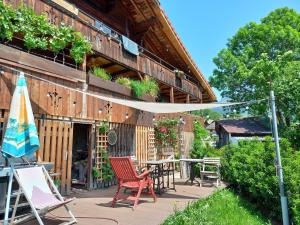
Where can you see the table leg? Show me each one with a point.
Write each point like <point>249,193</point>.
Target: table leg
<point>158,179</point>
<point>174,176</point>
<point>192,174</point>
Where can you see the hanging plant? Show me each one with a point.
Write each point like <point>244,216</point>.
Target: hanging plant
<point>38,33</point>
<point>165,133</point>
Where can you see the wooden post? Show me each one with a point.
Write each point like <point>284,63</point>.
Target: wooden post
<point>91,155</point>
<point>201,97</point>
<point>172,95</point>
<point>187,98</point>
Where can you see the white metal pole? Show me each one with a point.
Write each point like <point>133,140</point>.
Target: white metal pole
<point>283,198</point>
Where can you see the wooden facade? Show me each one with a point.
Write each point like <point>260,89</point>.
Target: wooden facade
<point>58,106</point>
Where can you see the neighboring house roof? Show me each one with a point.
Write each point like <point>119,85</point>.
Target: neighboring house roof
<point>251,126</point>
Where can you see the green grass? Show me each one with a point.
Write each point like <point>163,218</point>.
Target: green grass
<point>222,208</point>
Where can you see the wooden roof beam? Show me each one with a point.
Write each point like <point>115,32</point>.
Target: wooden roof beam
<point>108,65</point>
<point>120,72</point>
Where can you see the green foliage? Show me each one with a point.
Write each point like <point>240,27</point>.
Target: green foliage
<point>293,134</point>
<point>222,208</point>
<point>150,87</point>
<point>208,114</point>
<point>103,127</point>
<point>200,148</point>
<point>80,47</point>
<point>38,33</point>
<point>250,166</point>
<point>257,53</point>
<point>123,81</point>
<point>147,86</point>
<point>107,172</point>
<point>57,183</point>
<point>61,38</point>
<point>165,133</point>
<point>7,27</point>
<point>96,172</point>
<point>140,88</point>
<point>201,145</point>
<point>137,88</point>
<point>99,72</point>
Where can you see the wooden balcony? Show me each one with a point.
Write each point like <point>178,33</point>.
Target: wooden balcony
<point>109,48</point>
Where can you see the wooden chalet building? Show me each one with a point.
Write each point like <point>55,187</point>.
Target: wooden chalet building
<point>68,121</point>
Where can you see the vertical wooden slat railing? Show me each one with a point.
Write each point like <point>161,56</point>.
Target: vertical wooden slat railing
<point>56,141</point>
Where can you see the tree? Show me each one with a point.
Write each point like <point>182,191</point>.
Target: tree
<point>257,54</point>
<point>208,113</point>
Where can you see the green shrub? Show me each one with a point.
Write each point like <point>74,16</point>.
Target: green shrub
<point>99,72</point>
<point>123,81</point>
<point>250,167</point>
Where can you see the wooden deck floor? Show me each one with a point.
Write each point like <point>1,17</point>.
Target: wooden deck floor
<point>92,206</point>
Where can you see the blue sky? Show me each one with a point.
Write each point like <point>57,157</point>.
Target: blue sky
<point>205,25</point>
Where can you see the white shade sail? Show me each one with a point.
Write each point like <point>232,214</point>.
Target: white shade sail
<point>156,107</point>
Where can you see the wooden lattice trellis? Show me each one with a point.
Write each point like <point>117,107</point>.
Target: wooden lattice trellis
<point>101,145</point>
<point>151,145</point>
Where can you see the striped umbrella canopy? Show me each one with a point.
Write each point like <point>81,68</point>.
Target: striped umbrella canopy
<point>21,137</point>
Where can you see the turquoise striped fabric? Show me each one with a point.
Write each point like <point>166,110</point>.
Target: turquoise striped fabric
<point>21,137</point>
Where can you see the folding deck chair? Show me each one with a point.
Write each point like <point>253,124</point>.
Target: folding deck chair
<point>129,179</point>
<point>40,192</point>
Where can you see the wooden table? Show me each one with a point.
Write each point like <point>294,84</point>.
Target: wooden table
<point>158,173</point>
<point>192,163</point>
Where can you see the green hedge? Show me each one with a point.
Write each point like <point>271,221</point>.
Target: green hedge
<point>250,166</point>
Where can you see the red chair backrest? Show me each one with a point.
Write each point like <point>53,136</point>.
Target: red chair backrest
<point>123,168</point>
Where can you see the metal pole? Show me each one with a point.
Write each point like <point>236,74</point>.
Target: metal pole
<point>283,198</point>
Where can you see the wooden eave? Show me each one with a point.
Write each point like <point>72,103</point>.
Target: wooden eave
<point>142,10</point>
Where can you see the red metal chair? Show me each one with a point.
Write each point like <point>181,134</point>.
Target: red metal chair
<point>129,179</point>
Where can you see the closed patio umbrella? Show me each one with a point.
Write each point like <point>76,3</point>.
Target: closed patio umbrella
<point>20,138</point>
